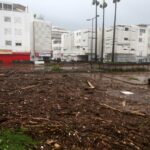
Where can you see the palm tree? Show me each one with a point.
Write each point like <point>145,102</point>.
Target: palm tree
<point>103,6</point>
<point>114,31</point>
<point>96,3</point>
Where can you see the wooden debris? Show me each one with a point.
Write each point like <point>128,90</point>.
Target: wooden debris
<point>39,119</point>
<point>91,86</point>
<point>50,142</point>
<point>2,75</point>
<point>28,87</point>
<point>57,146</point>
<point>3,119</point>
<point>127,112</point>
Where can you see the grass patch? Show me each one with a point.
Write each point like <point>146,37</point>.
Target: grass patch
<point>134,78</point>
<point>11,140</point>
<point>56,68</point>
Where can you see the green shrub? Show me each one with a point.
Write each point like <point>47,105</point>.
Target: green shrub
<point>10,140</point>
<point>56,68</point>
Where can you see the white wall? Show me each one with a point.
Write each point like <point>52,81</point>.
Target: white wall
<point>17,31</point>
<point>42,42</point>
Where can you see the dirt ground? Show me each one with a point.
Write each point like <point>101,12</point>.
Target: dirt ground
<point>75,111</point>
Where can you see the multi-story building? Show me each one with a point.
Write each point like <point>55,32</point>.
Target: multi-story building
<point>56,40</point>
<point>132,43</point>
<point>143,43</point>
<point>79,45</point>
<point>124,43</point>
<point>15,22</point>
<point>42,40</point>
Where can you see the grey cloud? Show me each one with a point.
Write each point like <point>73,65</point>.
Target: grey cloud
<point>72,14</point>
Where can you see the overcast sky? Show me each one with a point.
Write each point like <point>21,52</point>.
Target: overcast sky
<point>72,14</point>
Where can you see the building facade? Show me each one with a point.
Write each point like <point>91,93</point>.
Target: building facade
<point>41,40</point>
<point>132,43</point>
<point>15,22</point>
<point>79,45</point>
<point>57,32</point>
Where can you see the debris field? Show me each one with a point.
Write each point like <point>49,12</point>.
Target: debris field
<point>73,111</point>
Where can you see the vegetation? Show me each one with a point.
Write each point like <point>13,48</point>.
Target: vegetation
<point>56,68</point>
<point>10,140</point>
<point>22,62</point>
<point>133,78</point>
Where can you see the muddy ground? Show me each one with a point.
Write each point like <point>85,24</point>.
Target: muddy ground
<point>75,111</point>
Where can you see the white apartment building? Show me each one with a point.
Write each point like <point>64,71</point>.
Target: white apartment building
<point>131,43</point>
<point>79,46</point>
<point>15,22</point>
<point>56,41</point>
<point>143,43</point>
<point>42,40</point>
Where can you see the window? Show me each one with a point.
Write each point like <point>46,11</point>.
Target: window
<point>142,31</point>
<point>140,40</point>
<point>18,44</point>
<point>7,31</point>
<point>8,43</point>
<point>18,8</point>
<point>126,39</point>
<point>18,32</point>
<point>7,7</point>
<point>0,5</point>
<point>7,19</point>
<point>125,49</point>
<point>132,49</point>
<point>126,29</point>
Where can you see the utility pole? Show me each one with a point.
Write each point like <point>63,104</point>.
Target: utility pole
<point>103,6</point>
<point>91,52</point>
<point>114,31</point>
<point>96,3</point>
<point>92,20</point>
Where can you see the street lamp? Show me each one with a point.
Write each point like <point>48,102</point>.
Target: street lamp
<point>114,30</point>
<point>92,20</point>
<point>96,3</point>
<point>103,6</point>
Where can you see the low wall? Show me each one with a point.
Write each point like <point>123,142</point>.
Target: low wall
<point>10,58</point>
